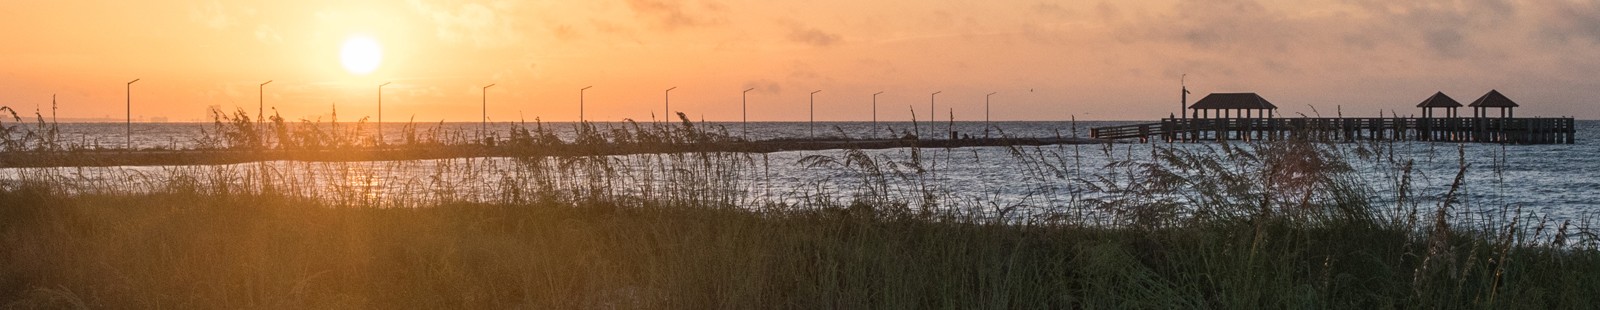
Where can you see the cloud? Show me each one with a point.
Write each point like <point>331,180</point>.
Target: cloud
<point>233,91</point>
<point>764,86</point>
<point>1565,21</point>
<point>1450,29</point>
<point>1043,34</point>
<point>670,15</point>
<point>811,36</point>
<point>528,68</point>
<point>1349,35</point>
<point>482,25</point>
<point>1051,10</point>
<point>1446,42</point>
<point>213,15</point>
<point>266,34</point>
<point>432,91</point>
<point>565,32</point>
<point>803,72</point>
<point>1227,24</point>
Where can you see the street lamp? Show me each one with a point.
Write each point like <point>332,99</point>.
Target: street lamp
<point>668,104</point>
<point>875,113</point>
<point>380,112</point>
<point>986,114</point>
<point>931,114</point>
<point>484,131</point>
<point>128,129</point>
<point>580,104</point>
<point>260,111</point>
<point>744,111</point>
<point>814,113</point>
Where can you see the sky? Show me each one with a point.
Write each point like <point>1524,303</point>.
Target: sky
<point>1043,60</point>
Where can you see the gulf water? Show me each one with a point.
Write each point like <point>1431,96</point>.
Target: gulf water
<point>1561,181</point>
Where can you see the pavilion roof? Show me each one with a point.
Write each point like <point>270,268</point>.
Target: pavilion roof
<point>1221,101</point>
<point>1439,100</point>
<point>1493,99</point>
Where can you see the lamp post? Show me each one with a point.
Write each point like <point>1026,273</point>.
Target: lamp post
<point>931,113</point>
<point>668,103</point>
<point>814,113</point>
<point>261,112</point>
<point>875,113</point>
<point>986,124</point>
<point>580,103</point>
<point>128,129</point>
<point>380,112</point>
<point>744,111</point>
<point>483,131</point>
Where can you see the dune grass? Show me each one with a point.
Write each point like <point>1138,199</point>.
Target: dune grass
<point>236,251</point>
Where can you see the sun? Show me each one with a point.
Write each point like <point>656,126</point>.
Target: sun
<point>361,55</point>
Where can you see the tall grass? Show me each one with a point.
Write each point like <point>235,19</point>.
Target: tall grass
<point>17,136</point>
<point>1288,224</point>
<point>237,131</point>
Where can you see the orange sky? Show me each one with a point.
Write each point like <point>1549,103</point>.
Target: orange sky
<point>1048,60</point>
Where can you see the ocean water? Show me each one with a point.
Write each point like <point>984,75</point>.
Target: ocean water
<point>1560,181</point>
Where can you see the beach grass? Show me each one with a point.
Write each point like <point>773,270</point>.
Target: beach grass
<point>173,250</point>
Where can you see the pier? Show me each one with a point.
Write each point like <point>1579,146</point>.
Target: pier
<point>1348,129</point>
<point>1248,117</point>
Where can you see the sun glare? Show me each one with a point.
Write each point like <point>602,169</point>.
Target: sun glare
<point>361,55</point>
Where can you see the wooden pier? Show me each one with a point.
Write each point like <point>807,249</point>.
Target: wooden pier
<point>1455,129</point>
<point>1249,117</point>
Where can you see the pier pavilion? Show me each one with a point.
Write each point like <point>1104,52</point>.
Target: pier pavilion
<point>1233,105</point>
<point>1493,99</point>
<point>1248,116</point>
<point>1439,101</point>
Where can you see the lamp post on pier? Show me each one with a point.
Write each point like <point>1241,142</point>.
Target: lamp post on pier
<point>931,113</point>
<point>261,111</point>
<point>380,112</point>
<point>814,113</point>
<point>744,111</point>
<point>668,101</point>
<point>580,103</point>
<point>483,131</point>
<point>875,113</point>
<point>986,124</point>
<point>128,127</point>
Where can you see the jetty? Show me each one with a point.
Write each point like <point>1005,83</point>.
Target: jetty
<point>1249,117</point>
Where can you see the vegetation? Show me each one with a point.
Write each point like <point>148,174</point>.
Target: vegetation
<point>1285,224</point>
<point>172,250</point>
<point>238,132</point>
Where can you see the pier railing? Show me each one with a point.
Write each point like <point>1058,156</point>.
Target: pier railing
<point>1492,130</point>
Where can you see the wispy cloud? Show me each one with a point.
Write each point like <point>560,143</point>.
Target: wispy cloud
<point>213,15</point>
<point>808,35</point>
<point>1566,21</point>
<point>671,15</point>
<point>483,25</point>
<point>764,86</point>
<point>266,34</point>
